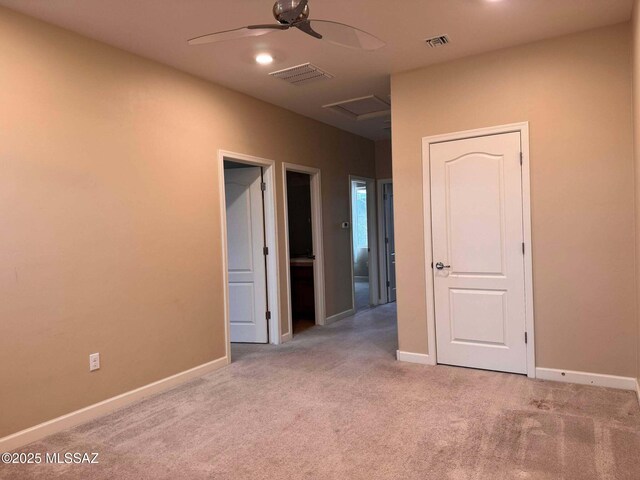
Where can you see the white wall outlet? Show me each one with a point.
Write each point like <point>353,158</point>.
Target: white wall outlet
<point>94,362</point>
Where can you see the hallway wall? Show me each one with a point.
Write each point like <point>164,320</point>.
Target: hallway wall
<point>111,215</point>
<point>575,92</point>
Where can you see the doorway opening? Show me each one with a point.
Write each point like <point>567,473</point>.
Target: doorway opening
<point>301,256</point>
<point>305,279</point>
<point>249,243</point>
<point>363,242</point>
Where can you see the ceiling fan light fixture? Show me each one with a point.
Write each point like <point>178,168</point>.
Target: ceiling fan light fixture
<point>264,59</point>
<point>295,14</point>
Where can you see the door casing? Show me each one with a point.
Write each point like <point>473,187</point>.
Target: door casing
<point>523,129</point>
<point>271,236</point>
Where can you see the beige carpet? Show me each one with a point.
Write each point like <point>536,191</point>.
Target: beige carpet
<point>334,404</point>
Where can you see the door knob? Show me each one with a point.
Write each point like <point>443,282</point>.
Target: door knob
<point>442,266</point>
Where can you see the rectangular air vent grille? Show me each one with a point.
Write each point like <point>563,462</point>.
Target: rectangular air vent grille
<point>362,108</point>
<point>439,41</point>
<point>302,74</point>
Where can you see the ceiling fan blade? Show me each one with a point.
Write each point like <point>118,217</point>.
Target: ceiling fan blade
<point>345,35</point>
<point>271,26</point>
<point>250,31</point>
<point>306,28</point>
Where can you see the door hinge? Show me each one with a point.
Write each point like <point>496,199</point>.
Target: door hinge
<point>523,248</point>
<point>432,265</point>
<point>521,158</point>
<point>268,315</point>
<point>263,186</point>
<point>265,250</point>
<point>526,337</point>
<point>388,284</point>
<point>386,240</point>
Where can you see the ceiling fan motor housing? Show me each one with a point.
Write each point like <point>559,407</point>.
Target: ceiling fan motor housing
<point>284,11</point>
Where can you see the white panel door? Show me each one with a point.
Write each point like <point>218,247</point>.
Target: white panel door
<point>477,228</point>
<point>390,242</point>
<point>245,243</point>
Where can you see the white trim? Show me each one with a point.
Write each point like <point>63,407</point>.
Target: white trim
<point>421,358</point>
<point>638,390</point>
<point>32,434</point>
<point>271,234</point>
<point>372,234</point>
<point>339,316</point>
<point>586,378</point>
<point>318,245</point>
<point>528,251</point>
<point>523,129</point>
<point>382,254</point>
<point>286,337</point>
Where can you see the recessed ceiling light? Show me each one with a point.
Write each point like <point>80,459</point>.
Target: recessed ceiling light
<point>264,59</point>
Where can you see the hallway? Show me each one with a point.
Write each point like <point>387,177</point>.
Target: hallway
<point>335,404</point>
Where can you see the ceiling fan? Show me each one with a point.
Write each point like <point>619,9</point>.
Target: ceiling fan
<point>295,14</point>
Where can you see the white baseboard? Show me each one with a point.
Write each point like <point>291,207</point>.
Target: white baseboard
<point>638,389</point>
<point>339,316</point>
<point>286,337</point>
<point>29,435</point>
<point>586,378</point>
<point>421,358</point>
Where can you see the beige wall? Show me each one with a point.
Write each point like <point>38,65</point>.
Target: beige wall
<point>635,23</point>
<point>383,159</point>
<point>576,93</point>
<point>110,215</point>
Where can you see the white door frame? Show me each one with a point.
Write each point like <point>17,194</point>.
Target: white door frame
<point>382,260</point>
<point>372,238</point>
<point>271,235</point>
<point>523,129</point>
<point>318,249</point>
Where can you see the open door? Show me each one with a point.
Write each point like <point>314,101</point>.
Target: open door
<point>246,253</point>
<point>389,242</point>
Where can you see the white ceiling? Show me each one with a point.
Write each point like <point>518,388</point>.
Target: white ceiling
<point>158,29</point>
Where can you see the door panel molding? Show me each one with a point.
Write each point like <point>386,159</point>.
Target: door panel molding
<point>427,142</point>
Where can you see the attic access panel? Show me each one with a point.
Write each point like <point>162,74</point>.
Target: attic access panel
<point>362,108</point>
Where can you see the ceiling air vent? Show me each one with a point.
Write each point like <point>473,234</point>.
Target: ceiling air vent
<point>439,41</point>
<point>362,108</point>
<point>302,74</point>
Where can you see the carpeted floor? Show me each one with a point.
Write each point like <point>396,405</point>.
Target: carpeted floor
<point>334,404</point>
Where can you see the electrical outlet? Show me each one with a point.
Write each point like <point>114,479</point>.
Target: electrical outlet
<point>94,362</point>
